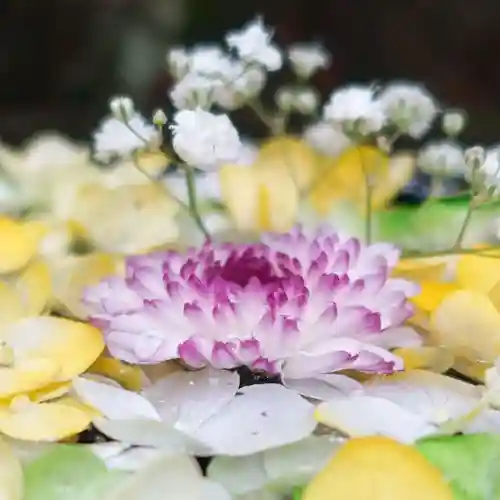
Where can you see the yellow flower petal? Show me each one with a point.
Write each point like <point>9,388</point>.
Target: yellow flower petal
<point>378,468</point>
<point>16,248</point>
<point>26,375</point>
<point>259,199</point>
<point>50,421</point>
<point>435,359</point>
<point>127,218</point>
<point>11,304</point>
<point>345,178</point>
<point>49,392</point>
<point>78,273</point>
<point>478,273</point>
<point>35,287</point>
<point>72,346</point>
<point>421,269</point>
<point>432,293</point>
<point>289,156</point>
<point>130,377</point>
<point>468,323</point>
<point>11,474</point>
<point>475,370</point>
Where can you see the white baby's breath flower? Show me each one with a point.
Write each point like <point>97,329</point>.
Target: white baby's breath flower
<point>243,83</point>
<point>194,91</point>
<point>307,58</point>
<point>326,138</point>
<point>355,109</point>
<point>409,107</point>
<point>178,62</point>
<point>114,138</point>
<point>210,60</point>
<point>253,44</point>
<point>299,99</point>
<point>203,139</point>
<point>443,158</point>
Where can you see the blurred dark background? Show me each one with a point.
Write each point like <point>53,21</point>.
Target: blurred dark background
<point>60,60</point>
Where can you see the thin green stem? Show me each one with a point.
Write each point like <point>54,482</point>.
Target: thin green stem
<point>158,183</point>
<point>483,252</point>
<point>465,225</point>
<point>368,200</point>
<point>275,126</point>
<point>193,207</point>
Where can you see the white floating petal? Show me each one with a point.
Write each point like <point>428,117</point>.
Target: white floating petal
<point>361,415</point>
<point>259,417</point>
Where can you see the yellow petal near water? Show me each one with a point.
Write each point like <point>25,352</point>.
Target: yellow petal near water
<point>16,246</point>
<point>70,345</point>
<point>378,468</point>
<point>468,323</point>
<point>11,474</point>
<point>50,421</point>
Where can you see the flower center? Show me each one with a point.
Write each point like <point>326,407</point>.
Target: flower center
<point>241,269</point>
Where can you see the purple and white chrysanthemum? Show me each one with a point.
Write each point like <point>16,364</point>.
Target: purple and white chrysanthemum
<point>296,305</point>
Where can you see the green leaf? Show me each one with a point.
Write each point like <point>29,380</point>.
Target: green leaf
<point>297,493</point>
<point>68,472</point>
<point>470,462</point>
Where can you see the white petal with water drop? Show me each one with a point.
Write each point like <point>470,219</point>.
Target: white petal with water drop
<point>187,399</point>
<point>259,417</point>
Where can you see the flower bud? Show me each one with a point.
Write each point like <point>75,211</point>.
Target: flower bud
<point>159,118</point>
<point>285,98</point>
<point>453,122</point>
<point>122,108</point>
<point>475,157</point>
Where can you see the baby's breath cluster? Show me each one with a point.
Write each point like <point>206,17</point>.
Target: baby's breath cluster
<point>212,80</point>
